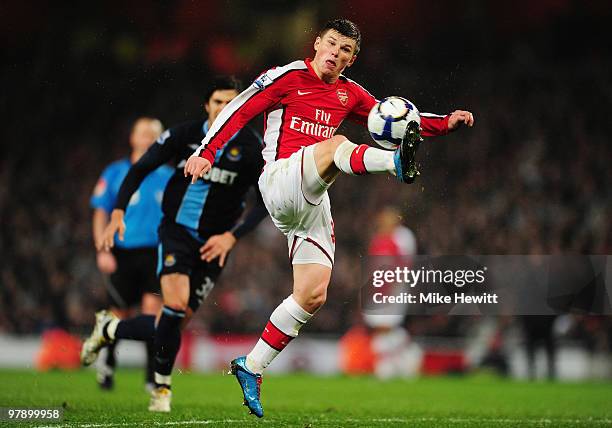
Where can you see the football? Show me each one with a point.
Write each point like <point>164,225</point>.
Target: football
<point>388,120</point>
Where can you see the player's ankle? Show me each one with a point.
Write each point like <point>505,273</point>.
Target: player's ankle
<point>253,365</point>
<point>163,381</point>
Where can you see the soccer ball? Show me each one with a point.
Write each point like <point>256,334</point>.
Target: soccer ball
<point>388,120</point>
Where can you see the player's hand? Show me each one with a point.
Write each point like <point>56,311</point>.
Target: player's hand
<point>459,118</point>
<point>196,166</point>
<point>218,246</point>
<point>116,225</point>
<point>106,262</point>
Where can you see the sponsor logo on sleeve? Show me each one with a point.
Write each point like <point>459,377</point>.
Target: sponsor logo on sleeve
<point>100,187</point>
<point>262,81</point>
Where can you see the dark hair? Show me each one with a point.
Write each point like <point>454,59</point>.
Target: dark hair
<point>222,83</point>
<point>346,28</point>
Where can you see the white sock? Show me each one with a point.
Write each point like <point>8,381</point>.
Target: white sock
<point>358,160</point>
<point>379,161</point>
<point>163,379</point>
<point>111,328</point>
<point>284,325</point>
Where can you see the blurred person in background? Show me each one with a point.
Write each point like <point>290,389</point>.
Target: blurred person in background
<point>539,333</point>
<point>384,346</point>
<point>131,264</point>
<point>304,103</point>
<point>393,244</point>
<point>200,226</point>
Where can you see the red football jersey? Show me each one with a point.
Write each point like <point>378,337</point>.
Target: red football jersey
<point>401,242</point>
<point>300,110</point>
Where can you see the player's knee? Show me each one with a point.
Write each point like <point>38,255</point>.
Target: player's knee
<point>175,305</point>
<point>188,316</point>
<point>330,146</point>
<point>316,298</point>
<point>175,301</point>
<point>325,152</point>
<point>338,139</point>
<point>175,291</point>
<point>335,141</point>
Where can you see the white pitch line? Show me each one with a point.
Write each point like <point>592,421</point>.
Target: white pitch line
<point>547,421</point>
<point>493,420</point>
<point>155,423</point>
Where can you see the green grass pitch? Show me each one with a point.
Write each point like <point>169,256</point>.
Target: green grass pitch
<point>307,401</point>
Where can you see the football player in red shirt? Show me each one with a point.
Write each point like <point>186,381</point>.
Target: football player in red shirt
<point>304,103</point>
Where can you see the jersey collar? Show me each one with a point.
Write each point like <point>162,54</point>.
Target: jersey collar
<point>308,61</point>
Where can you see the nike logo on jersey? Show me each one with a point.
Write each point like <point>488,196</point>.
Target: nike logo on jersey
<point>304,92</point>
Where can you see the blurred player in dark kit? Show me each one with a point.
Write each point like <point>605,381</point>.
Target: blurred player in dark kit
<point>200,225</point>
<point>131,264</point>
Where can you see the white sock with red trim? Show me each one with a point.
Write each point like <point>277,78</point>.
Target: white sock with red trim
<point>284,325</point>
<point>359,160</point>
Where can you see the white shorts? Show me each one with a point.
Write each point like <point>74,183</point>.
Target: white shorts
<point>297,200</point>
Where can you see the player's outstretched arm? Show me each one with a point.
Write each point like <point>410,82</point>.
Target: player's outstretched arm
<point>254,100</point>
<point>196,166</point>
<point>459,118</point>
<point>116,225</point>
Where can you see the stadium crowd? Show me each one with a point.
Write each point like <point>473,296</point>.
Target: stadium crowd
<point>533,176</point>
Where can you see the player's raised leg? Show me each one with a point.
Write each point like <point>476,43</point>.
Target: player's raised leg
<point>339,154</point>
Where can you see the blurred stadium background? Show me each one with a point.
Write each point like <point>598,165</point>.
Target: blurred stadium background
<point>533,177</point>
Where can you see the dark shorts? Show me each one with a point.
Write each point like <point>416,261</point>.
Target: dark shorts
<point>135,275</point>
<point>179,252</point>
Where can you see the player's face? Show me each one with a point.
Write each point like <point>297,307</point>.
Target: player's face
<point>144,133</point>
<point>334,52</point>
<point>218,100</point>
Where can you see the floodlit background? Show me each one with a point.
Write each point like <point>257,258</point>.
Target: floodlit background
<point>532,177</point>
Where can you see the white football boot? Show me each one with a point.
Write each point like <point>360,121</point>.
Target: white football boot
<point>160,400</point>
<point>95,342</point>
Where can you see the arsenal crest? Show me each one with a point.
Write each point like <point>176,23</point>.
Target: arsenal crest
<point>342,96</point>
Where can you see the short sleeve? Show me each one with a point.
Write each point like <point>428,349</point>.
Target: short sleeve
<point>103,197</point>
